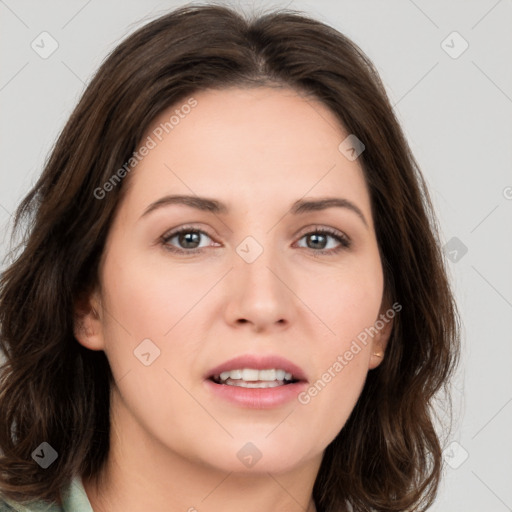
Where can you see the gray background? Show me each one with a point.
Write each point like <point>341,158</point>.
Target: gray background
<point>456,113</point>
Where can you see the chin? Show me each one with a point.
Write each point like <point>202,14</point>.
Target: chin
<point>256,456</point>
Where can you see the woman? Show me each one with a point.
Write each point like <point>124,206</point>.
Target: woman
<point>286,360</point>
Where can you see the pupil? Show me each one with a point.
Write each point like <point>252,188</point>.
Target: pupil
<point>187,238</point>
<point>316,237</point>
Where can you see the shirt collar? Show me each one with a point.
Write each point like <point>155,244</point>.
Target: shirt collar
<point>75,499</point>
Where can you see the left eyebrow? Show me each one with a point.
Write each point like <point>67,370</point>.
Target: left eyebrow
<point>213,206</point>
<point>199,203</point>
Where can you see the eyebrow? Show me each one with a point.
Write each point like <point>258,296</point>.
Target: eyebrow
<point>213,206</point>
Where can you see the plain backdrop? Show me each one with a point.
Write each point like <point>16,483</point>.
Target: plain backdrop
<point>447,69</point>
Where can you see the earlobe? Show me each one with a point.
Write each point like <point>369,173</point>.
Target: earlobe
<point>378,355</point>
<point>380,343</point>
<point>87,324</point>
<point>376,359</point>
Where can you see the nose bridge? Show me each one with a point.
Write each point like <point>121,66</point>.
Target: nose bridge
<point>257,289</point>
<point>257,261</point>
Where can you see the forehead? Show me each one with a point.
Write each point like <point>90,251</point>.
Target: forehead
<point>274,121</point>
<point>261,144</point>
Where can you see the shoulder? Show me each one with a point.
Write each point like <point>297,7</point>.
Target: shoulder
<point>74,500</point>
<point>7,505</point>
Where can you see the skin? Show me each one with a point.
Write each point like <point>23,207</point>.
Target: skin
<point>174,445</point>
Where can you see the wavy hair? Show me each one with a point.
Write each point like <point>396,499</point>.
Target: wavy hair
<point>388,456</point>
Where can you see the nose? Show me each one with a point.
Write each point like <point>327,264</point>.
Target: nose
<point>260,293</point>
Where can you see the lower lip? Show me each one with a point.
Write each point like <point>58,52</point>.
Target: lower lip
<point>257,398</point>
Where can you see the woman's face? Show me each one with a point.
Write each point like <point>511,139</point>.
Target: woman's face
<point>252,278</point>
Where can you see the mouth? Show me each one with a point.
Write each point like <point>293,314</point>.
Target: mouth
<point>254,378</point>
<point>256,381</point>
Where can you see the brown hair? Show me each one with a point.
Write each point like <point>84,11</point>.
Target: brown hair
<point>388,455</point>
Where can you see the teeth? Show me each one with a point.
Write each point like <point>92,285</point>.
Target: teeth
<point>265,375</point>
<point>233,374</point>
<point>249,374</point>
<point>243,384</point>
<point>244,376</point>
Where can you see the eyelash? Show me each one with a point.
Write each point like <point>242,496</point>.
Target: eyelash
<point>345,242</point>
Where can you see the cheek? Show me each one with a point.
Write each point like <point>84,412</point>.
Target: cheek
<point>149,300</point>
<point>144,304</point>
<point>345,299</point>
<point>332,396</point>
<point>341,356</point>
<point>347,306</point>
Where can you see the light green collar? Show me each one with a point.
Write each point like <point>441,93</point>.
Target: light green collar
<point>74,499</point>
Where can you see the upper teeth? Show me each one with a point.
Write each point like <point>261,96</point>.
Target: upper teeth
<point>250,374</point>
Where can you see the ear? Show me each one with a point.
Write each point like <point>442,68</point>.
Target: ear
<point>88,322</point>
<point>384,326</point>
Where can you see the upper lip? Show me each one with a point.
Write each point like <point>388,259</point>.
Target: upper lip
<point>258,362</point>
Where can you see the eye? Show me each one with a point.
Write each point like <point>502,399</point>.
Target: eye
<point>319,237</point>
<point>187,237</point>
<point>188,240</point>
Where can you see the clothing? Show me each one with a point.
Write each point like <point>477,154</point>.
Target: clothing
<point>74,499</point>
